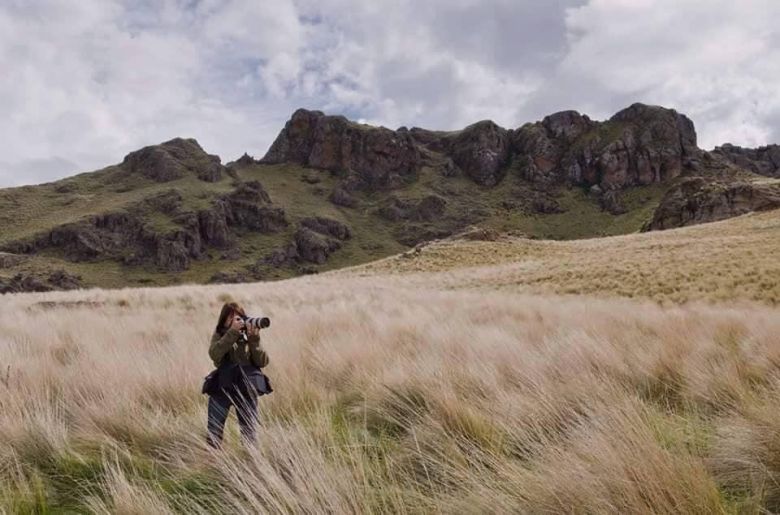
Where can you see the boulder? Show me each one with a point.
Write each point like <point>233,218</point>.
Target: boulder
<point>62,280</point>
<point>313,246</point>
<point>327,226</point>
<point>429,208</point>
<point>340,197</point>
<point>426,209</point>
<point>282,256</point>
<point>545,205</point>
<point>411,234</point>
<point>395,209</point>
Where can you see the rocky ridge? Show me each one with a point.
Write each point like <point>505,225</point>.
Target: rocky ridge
<point>125,236</point>
<point>762,160</point>
<point>408,183</point>
<point>639,145</point>
<point>369,157</point>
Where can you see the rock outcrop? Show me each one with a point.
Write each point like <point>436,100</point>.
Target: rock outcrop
<point>328,227</point>
<point>698,200</point>
<point>426,209</point>
<point>244,160</point>
<point>481,150</point>
<point>761,160</point>
<point>128,237</point>
<point>639,145</point>
<point>56,280</point>
<point>314,240</point>
<point>173,160</point>
<point>340,197</point>
<point>249,206</point>
<point>372,158</point>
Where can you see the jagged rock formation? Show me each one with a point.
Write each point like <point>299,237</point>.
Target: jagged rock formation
<point>125,236</point>
<point>172,160</point>
<point>639,145</point>
<point>371,157</point>
<point>481,150</point>
<point>761,160</point>
<point>698,200</point>
<point>249,206</point>
<point>314,240</point>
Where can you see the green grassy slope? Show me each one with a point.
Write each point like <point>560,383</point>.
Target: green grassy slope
<point>32,210</point>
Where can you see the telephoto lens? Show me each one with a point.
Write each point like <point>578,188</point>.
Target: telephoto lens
<point>259,322</point>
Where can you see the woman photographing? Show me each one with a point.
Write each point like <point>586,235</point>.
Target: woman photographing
<point>236,351</point>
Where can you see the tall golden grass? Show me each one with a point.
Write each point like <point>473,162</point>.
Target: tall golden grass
<point>392,397</point>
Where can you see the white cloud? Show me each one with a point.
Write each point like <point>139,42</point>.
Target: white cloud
<point>717,61</point>
<point>84,82</point>
<point>89,81</point>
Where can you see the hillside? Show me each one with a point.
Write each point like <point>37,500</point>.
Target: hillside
<point>331,193</point>
<point>731,260</point>
<point>402,387</point>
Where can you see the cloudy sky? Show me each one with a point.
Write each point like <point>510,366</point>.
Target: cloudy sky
<point>83,82</point>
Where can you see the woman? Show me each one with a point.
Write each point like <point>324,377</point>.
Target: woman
<point>238,356</point>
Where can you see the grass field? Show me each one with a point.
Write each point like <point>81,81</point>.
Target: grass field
<point>723,261</point>
<point>470,377</point>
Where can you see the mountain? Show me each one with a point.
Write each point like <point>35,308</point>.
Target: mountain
<point>331,192</point>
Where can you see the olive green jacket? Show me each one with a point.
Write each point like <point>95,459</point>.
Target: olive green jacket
<point>240,351</point>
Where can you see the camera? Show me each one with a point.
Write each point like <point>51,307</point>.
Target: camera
<point>258,322</point>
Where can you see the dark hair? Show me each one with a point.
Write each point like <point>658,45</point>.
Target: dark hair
<point>227,309</point>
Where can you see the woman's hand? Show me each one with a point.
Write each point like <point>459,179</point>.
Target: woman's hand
<point>237,324</point>
<point>253,330</point>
